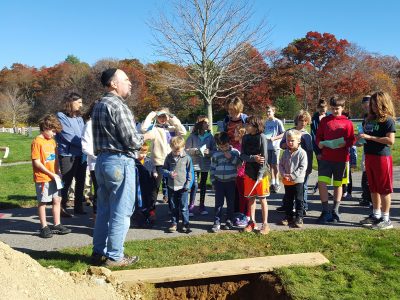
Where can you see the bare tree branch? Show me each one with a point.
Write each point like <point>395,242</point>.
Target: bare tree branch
<point>212,41</point>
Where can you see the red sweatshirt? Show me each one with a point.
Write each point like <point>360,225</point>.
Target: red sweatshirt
<point>331,128</point>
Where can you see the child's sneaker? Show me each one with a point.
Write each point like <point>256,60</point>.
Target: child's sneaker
<point>298,222</point>
<point>60,229</point>
<point>216,228</point>
<point>324,218</point>
<point>240,223</point>
<point>277,187</point>
<point>172,228</point>
<point>335,217</point>
<point>286,221</point>
<point>382,225</point>
<point>369,221</point>
<point>264,229</point>
<point>45,232</point>
<point>228,225</point>
<point>250,227</point>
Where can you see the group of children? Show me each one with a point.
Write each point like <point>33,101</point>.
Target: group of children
<point>244,165</point>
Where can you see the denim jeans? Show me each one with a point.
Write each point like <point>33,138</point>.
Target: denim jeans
<point>178,203</point>
<point>224,190</point>
<point>115,174</point>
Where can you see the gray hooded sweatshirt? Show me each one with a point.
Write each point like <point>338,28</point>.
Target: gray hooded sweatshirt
<point>294,164</point>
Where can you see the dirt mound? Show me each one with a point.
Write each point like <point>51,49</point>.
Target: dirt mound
<point>21,277</point>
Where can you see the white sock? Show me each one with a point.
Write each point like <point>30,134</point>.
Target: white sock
<point>385,217</point>
<point>377,213</point>
<point>273,181</point>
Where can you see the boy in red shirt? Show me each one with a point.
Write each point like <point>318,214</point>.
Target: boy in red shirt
<point>45,170</point>
<point>335,135</point>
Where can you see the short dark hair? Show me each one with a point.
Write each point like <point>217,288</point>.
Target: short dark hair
<point>256,122</point>
<point>221,138</point>
<point>336,101</point>
<point>321,103</point>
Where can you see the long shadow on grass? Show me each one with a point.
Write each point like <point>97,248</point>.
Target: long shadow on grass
<point>69,258</point>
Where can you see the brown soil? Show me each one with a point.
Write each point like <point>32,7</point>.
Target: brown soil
<point>253,286</point>
<point>21,277</point>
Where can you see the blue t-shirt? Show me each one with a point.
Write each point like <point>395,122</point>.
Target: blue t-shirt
<point>273,128</point>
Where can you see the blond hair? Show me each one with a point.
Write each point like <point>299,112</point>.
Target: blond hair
<point>294,134</point>
<point>177,142</point>
<point>384,106</point>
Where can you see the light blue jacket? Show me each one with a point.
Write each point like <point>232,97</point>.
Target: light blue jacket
<point>69,140</point>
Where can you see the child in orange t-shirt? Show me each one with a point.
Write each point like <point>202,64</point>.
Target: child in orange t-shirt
<point>45,170</point>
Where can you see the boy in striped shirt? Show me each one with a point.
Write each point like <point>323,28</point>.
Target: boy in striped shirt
<point>223,173</point>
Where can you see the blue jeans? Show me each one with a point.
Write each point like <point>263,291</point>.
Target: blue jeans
<point>224,190</point>
<point>115,174</point>
<point>178,203</point>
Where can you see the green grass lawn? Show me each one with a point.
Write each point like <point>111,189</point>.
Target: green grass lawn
<point>363,263</point>
<point>17,187</point>
<point>20,146</point>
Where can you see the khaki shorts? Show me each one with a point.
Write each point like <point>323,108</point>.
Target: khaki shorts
<point>46,191</point>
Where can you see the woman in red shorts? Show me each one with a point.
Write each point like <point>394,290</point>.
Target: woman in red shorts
<point>379,134</point>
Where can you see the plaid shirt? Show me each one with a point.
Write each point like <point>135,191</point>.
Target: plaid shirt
<point>114,127</point>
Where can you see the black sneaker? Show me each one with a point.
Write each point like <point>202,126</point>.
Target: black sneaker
<point>280,209</point>
<point>272,189</point>
<point>60,229</point>
<point>286,221</point>
<point>369,221</point>
<point>186,228</point>
<point>45,233</point>
<point>228,225</point>
<point>335,217</point>
<point>324,217</point>
<point>124,262</point>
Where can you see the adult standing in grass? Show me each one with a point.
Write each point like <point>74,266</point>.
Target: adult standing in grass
<point>379,134</point>
<point>116,142</point>
<point>69,144</point>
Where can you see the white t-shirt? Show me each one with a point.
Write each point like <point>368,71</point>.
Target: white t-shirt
<point>273,128</point>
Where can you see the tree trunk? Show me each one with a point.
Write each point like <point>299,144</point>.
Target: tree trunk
<point>210,114</point>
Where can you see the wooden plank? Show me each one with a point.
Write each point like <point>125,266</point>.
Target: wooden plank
<point>220,268</point>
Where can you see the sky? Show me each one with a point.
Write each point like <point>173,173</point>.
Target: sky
<point>44,32</point>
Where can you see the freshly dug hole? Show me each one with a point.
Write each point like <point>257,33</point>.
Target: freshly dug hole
<point>250,286</point>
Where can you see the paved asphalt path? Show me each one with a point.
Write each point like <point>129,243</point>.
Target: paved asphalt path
<point>19,228</point>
